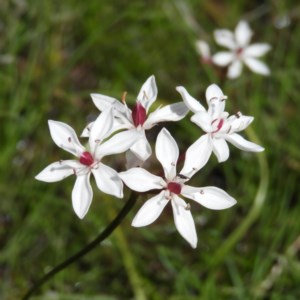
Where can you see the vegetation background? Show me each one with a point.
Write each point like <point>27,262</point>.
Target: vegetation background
<point>53,54</point>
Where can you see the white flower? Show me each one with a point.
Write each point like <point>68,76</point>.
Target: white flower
<point>172,186</point>
<point>139,119</point>
<point>240,51</point>
<point>219,127</point>
<point>89,160</point>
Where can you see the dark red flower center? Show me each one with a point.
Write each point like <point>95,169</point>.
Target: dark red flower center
<point>239,51</point>
<point>138,114</point>
<point>174,187</point>
<point>86,158</point>
<point>219,125</point>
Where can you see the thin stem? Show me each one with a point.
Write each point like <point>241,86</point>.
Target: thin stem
<point>100,238</point>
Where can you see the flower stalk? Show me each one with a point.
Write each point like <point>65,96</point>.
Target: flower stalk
<point>98,240</point>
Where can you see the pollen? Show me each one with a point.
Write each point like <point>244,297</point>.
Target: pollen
<point>174,187</point>
<point>86,158</point>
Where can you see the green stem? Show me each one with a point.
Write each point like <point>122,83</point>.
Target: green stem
<point>100,238</point>
<point>255,209</point>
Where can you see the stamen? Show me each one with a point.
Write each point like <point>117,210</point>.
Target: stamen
<point>145,95</point>
<point>229,129</point>
<point>183,176</point>
<point>188,206</point>
<point>238,114</point>
<point>123,98</point>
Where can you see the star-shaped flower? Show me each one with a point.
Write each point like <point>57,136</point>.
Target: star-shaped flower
<point>240,51</point>
<point>88,160</point>
<point>138,120</point>
<point>219,127</point>
<point>172,187</point>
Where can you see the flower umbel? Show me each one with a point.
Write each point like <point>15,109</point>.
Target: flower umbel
<point>240,51</point>
<point>172,187</point>
<point>88,160</point>
<point>220,128</point>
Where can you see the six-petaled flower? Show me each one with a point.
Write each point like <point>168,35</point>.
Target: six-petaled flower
<point>172,187</point>
<point>240,51</point>
<point>220,128</point>
<point>88,160</point>
<point>138,120</point>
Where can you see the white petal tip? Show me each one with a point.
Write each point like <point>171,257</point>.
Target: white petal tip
<point>136,224</point>
<point>80,216</point>
<point>194,246</point>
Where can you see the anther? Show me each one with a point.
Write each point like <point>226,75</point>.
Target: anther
<point>238,114</point>
<point>123,98</point>
<point>183,176</point>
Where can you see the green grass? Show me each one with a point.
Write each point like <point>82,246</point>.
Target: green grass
<point>65,50</point>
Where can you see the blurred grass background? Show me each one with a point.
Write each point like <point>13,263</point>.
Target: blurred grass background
<point>53,54</point>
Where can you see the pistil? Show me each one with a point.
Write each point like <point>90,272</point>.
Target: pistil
<point>86,158</point>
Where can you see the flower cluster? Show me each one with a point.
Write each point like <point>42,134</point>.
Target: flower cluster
<point>119,129</point>
<point>239,51</point>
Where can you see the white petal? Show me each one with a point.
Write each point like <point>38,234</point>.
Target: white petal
<point>172,112</point>
<point>101,128</point>
<point>235,69</point>
<point>238,141</point>
<point>220,149</point>
<point>184,221</point>
<point>55,172</point>
<point>193,104</point>
<point>225,38</point>
<point>150,211</point>
<point>148,93</point>
<point>213,91</point>
<point>210,197</point>
<point>215,100</point>
<point>82,195</point>
<point>223,58</point>
<point>167,153</point>
<point>119,143</point>
<point>239,123</point>
<point>132,160</point>
<point>65,137</point>
<point>197,155</point>
<point>257,66</point>
<point>108,181</point>
<point>203,49</point>
<point>243,34</point>
<point>86,131</point>
<point>141,148</point>
<point>203,120</point>
<point>140,180</point>
<point>256,50</point>
<point>103,102</point>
